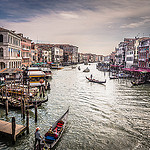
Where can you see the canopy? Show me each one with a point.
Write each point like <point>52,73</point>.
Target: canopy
<point>36,73</point>
<point>116,65</point>
<point>142,70</point>
<point>50,62</point>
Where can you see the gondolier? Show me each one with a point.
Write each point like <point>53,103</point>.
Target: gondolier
<point>37,138</point>
<point>91,76</point>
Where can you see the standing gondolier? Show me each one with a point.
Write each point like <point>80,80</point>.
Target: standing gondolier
<point>37,138</point>
<point>91,76</point>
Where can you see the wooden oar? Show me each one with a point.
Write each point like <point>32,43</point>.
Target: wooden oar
<point>45,143</point>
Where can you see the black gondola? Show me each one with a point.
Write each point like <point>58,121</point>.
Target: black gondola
<point>113,77</point>
<point>95,81</point>
<point>50,139</point>
<point>17,104</point>
<point>135,83</point>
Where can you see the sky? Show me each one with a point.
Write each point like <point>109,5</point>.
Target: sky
<point>94,26</point>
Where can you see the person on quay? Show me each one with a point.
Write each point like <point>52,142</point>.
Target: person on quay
<point>37,138</point>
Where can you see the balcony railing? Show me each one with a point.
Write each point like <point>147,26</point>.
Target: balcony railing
<point>25,57</point>
<point>142,59</point>
<point>26,49</point>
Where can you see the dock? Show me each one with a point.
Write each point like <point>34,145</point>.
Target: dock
<point>11,129</point>
<point>6,128</point>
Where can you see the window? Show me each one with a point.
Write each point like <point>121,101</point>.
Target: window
<point>1,38</point>
<point>1,52</point>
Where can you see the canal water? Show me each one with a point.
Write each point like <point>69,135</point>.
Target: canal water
<point>111,116</point>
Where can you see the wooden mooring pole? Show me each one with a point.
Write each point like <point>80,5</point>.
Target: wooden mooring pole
<point>6,106</point>
<point>46,85</point>
<point>23,109</point>
<point>36,112</point>
<point>43,90</point>
<point>27,122</point>
<point>13,130</point>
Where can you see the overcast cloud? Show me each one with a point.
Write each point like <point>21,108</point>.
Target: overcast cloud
<point>95,26</point>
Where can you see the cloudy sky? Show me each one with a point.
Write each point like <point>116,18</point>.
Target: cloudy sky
<point>95,26</point>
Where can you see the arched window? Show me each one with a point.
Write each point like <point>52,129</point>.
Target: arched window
<point>1,38</point>
<point>1,53</point>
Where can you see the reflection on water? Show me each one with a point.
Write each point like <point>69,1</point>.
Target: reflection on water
<point>112,116</point>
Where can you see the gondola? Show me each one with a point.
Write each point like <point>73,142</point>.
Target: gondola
<point>79,68</point>
<point>86,70</point>
<point>16,104</point>
<point>135,83</point>
<point>38,101</point>
<point>95,81</point>
<point>113,77</point>
<point>50,139</point>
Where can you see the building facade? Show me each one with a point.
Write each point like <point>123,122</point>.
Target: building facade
<point>10,49</point>
<point>25,50</point>
<point>34,53</point>
<point>144,54</point>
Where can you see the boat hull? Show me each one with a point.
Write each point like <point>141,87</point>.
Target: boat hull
<point>51,144</point>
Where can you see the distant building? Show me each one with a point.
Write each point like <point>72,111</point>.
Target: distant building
<point>10,49</point>
<point>34,53</point>
<point>57,55</point>
<point>70,53</point>
<point>107,59</point>
<point>112,58</point>
<point>44,52</point>
<point>129,52</point>
<point>129,58</point>
<point>100,58</point>
<point>80,58</point>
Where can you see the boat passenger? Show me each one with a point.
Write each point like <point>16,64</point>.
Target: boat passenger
<point>56,135</point>
<point>50,130</point>
<point>37,138</point>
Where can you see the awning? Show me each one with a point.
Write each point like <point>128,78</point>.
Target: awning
<point>50,63</point>
<point>137,70</point>
<point>116,65</point>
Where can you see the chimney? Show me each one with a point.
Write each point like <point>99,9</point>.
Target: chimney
<point>20,34</point>
<point>13,31</point>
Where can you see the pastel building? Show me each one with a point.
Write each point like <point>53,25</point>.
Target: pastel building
<point>26,50</point>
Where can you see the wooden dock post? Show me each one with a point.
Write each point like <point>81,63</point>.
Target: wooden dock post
<point>46,85</point>
<point>21,106</point>
<point>35,112</point>
<point>13,130</point>
<point>43,88</point>
<point>27,125</point>
<point>2,93</point>
<point>23,109</point>
<point>49,86</point>
<point>41,91</point>
<point>6,106</point>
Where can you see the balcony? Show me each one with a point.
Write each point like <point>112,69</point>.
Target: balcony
<point>25,57</point>
<point>143,45</point>
<point>25,49</point>
<point>142,59</point>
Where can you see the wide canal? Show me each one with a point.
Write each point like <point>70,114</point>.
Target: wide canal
<point>112,116</point>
